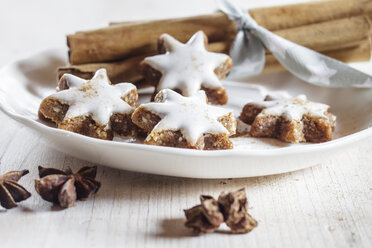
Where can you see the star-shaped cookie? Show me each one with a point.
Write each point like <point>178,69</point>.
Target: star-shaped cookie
<point>188,68</point>
<point>93,107</point>
<point>188,122</point>
<point>294,119</point>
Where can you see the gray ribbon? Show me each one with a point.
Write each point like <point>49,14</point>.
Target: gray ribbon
<point>248,55</point>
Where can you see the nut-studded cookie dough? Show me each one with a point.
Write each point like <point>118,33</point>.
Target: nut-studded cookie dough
<point>94,108</point>
<point>188,68</point>
<point>292,120</point>
<point>187,122</point>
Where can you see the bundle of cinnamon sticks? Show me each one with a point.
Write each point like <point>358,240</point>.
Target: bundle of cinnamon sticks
<point>338,28</point>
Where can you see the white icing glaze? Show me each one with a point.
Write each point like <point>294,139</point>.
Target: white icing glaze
<point>95,97</point>
<point>72,81</point>
<point>191,115</point>
<point>293,108</point>
<point>187,66</point>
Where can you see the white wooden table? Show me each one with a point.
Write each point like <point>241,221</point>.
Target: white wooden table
<point>329,205</point>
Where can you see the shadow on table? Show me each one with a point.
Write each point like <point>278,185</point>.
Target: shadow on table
<point>132,186</point>
<point>174,228</point>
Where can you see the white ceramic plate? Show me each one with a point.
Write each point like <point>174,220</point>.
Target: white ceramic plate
<point>23,85</point>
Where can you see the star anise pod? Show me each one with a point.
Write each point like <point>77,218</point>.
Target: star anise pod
<point>234,207</point>
<point>64,187</point>
<point>231,208</point>
<point>10,191</point>
<point>205,217</point>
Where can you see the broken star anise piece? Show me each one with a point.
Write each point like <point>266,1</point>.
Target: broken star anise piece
<point>231,208</point>
<point>234,207</point>
<point>64,187</point>
<point>10,191</point>
<point>205,217</point>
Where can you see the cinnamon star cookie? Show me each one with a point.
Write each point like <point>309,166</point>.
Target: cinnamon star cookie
<point>187,122</point>
<point>94,108</point>
<point>188,68</point>
<point>292,120</point>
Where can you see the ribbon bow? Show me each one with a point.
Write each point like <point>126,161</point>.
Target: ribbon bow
<point>248,55</point>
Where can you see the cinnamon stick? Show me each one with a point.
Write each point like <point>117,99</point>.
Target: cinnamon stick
<point>330,35</point>
<point>127,70</point>
<point>327,36</point>
<point>359,53</point>
<point>288,16</point>
<point>123,41</point>
<point>130,39</point>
